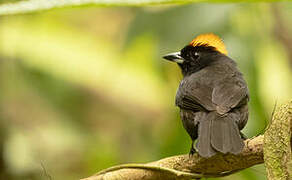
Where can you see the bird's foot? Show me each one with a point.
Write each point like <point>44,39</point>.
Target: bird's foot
<point>244,137</point>
<point>192,151</point>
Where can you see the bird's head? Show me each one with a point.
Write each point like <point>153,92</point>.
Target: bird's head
<point>199,53</point>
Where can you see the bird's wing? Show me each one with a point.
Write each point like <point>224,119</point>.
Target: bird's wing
<point>195,95</point>
<point>229,93</point>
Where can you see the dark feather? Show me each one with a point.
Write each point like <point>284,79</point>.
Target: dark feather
<point>204,140</point>
<point>220,134</point>
<point>236,141</point>
<point>229,94</point>
<point>225,135</point>
<point>190,122</point>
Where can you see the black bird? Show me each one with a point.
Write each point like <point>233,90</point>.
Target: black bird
<point>212,96</point>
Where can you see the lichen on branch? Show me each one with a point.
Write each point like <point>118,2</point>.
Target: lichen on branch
<point>277,144</point>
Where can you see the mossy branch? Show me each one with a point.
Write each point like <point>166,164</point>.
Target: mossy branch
<point>277,144</point>
<point>183,167</point>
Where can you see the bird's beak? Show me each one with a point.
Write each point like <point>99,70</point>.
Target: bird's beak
<point>175,57</point>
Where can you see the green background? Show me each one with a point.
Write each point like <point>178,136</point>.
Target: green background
<point>83,89</point>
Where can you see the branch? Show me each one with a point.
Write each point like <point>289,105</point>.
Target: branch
<point>277,144</point>
<point>183,167</point>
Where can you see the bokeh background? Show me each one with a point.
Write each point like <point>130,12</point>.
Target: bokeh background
<point>82,89</point>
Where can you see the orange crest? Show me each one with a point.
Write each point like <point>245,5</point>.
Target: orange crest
<point>210,39</point>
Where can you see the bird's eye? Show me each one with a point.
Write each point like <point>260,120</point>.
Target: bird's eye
<point>196,55</point>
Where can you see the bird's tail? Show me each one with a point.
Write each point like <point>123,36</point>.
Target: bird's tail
<point>219,133</point>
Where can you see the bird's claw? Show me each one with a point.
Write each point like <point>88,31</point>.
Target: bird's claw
<point>244,137</point>
<point>192,151</point>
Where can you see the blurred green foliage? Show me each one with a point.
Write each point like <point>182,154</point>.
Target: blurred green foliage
<point>85,89</point>
<point>26,6</point>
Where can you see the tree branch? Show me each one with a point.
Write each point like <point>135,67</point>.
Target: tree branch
<point>277,144</point>
<point>183,167</point>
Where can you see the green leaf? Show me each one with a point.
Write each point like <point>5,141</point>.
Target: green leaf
<point>27,6</point>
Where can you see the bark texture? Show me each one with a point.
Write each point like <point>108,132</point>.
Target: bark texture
<point>277,145</point>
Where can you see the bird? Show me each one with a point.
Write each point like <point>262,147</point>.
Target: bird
<point>212,97</point>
